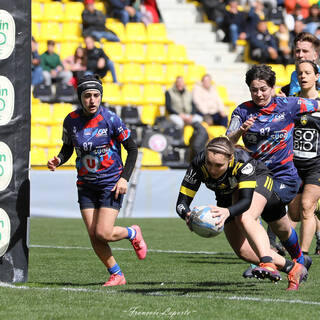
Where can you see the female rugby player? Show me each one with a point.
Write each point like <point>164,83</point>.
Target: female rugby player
<point>244,190</point>
<point>266,125</point>
<point>97,135</point>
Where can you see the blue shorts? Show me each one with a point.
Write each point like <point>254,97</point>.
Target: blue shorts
<point>95,197</point>
<point>286,192</point>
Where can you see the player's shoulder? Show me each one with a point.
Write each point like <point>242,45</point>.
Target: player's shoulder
<point>241,155</point>
<point>73,116</point>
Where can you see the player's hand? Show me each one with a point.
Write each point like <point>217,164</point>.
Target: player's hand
<point>281,94</point>
<point>53,163</point>
<point>188,221</point>
<point>222,213</point>
<point>248,124</point>
<point>120,187</point>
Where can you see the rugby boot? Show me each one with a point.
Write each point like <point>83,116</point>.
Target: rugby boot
<point>267,270</point>
<point>115,280</point>
<point>139,245</point>
<point>296,275</point>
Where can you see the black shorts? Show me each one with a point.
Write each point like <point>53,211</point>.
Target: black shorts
<point>264,186</point>
<point>310,175</point>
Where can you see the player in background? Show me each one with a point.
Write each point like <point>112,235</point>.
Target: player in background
<point>266,125</point>
<point>97,135</point>
<point>244,191</point>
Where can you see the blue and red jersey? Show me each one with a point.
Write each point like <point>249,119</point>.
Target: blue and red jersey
<point>270,139</point>
<point>97,140</point>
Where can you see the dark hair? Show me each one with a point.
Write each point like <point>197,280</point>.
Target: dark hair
<point>261,72</point>
<point>314,66</point>
<point>83,58</point>
<point>221,145</point>
<point>50,43</point>
<point>308,37</point>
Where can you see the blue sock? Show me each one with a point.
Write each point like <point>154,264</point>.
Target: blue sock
<point>293,247</point>
<point>131,233</point>
<point>115,269</point>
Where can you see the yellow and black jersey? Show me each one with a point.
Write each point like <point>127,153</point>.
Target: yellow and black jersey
<point>242,174</point>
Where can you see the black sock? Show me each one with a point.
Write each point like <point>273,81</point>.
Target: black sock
<point>305,253</point>
<point>287,266</point>
<point>266,259</point>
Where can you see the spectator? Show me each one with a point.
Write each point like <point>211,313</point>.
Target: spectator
<point>214,10</point>
<point>234,24</point>
<point>76,63</point>
<point>312,22</point>
<point>317,33</point>
<point>256,14</point>
<point>291,5</point>
<point>208,103</point>
<point>180,106</point>
<point>263,46</point>
<point>124,11</point>
<point>298,28</point>
<point>283,42</point>
<point>149,12</point>
<point>36,70</point>
<point>97,61</point>
<point>93,23</point>
<point>52,66</point>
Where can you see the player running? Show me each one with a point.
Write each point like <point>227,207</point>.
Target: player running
<point>244,190</point>
<point>97,134</point>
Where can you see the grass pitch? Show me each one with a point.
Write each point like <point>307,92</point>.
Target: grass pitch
<point>173,282</point>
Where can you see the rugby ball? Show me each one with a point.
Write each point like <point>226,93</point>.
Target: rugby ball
<point>202,222</point>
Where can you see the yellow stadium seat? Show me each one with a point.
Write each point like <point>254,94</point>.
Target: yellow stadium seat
<point>174,70</point>
<point>60,111</point>
<point>41,113</point>
<point>73,11</point>
<point>111,93</point>
<point>132,73</point>
<point>223,94</point>
<point>114,50</point>
<point>177,53</point>
<point>42,47</point>
<point>131,94</point>
<point>289,69</point>
<point>154,73</point>
<point>68,49</point>
<point>71,31</point>
<point>38,156</point>
<point>153,94</point>
<point>194,73</point>
<point>150,157</point>
<point>53,11</point>
<point>216,131</point>
<point>118,28</point>
<point>156,32</point>
<point>39,136</point>
<point>149,114</point>
<point>50,31</point>
<point>35,30</point>
<point>100,6</point>
<point>156,52</point>
<point>134,52</point>
<point>118,69</point>
<point>136,32</point>
<point>56,135</point>
<point>36,11</point>
<point>281,74</point>
<point>187,134</point>
<point>53,151</point>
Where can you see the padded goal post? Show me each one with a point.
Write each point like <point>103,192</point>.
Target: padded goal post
<point>15,80</point>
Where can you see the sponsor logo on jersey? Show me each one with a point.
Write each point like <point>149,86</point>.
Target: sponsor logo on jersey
<point>181,208</point>
<point>282,186</point>
<point>279,117</point>
<point>304,120</point>
<point>6,100</point>
<point>102,132</point>
<point>7,34</point>
<point>279,135</point>
<point>189,177</point>
<point>91,163</point>
<point>247,169</point>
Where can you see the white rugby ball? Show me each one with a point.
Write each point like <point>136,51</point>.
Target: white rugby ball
<point>202,222</point>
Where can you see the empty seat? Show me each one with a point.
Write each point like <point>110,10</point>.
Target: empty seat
<point>39,136</point>
<point>154,73</point>
<point>194,73</point>
<point>56,135</point>
<point>132,73</point>
<point>53,11</point>
<point>39,156</point>
<point>281,74</point>
<point>149,114</point>
<point>71,31</point>
<point>50,31</point>
<point>114,50</point>
<point>156,52</point>
<point>174,70</point>
<point>118,28</point>
<point>118,69</point>
<point>41,113</point>
<point>156,32</point>
<point>111,93</point>
<point>177,53</point>
<point>223,94</point>
<point>131,94</point>
<point>35,30</point>
<point>53,151</point>
<point>68,49</point>
<point>150,157</point>
<point>136,32</point>
<point>73,11</point>
<point>36,11</point>
<point>153,94</point>
<point>130,115</point>
<point>135,52</point>
<point>187,134</point>
<point>60,111</point>
<point>216,131</point>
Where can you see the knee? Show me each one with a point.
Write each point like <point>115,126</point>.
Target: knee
<point>307,208</point>
<point>104,235</point>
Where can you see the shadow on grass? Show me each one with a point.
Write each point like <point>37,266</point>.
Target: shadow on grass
<point>63,284</point>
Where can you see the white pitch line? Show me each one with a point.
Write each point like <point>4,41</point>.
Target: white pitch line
<point>127,249</point>
<point>161,294</point>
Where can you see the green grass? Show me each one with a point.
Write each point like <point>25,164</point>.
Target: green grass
<point>65,283</point>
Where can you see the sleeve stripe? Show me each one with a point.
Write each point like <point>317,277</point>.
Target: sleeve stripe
<point>188,192</point>
<point>247,184</point>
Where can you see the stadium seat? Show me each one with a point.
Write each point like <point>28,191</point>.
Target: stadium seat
<point>36,11</point>
<point>194,73</point>
<point>50,31</point>
<point>156,32</point>
<point>39,136</point>
<point>111,93</point>
<point>149,114</point>
<point>130,115</point>
<point>153,94</point>
<point>223,94</point>
<point>174,70</point>
<point>73,11</point>
<point>156,52</point>
<point>53,151</point>
<point>187,134</point>
<point>41,113</point>
<point>100,6</point>
<point>71,31</point>
<point>132,73</point>
<point>281,74</point>
<point>118,28</point>
<point>68,49</point>
<point>136,32</point>
<point>56,135</point>
<point>108,77</point>
<point>154,73</point>
<point>39,156</point>
<point>150,157</point>
<point>35,30</point>
<point>177,53</point>
<point>42,47</point>
<point>114,50</point>
<point>134,52</point>
<point>131,94</point>
<point>289,69</point>
<point>216,131</point>
<point>53,11</point>
<point>60,111</point>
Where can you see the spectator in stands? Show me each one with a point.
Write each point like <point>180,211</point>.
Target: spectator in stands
<point>312,22</point>
<point>36,70</point>
<point>208,103</point>
<point>52,66</point>
<point>124,11</point>
<point>149,11</point>
<point>97,61</point>
<point>298,28</point>
<point>283,41</point>
<point>93,23</point>
<point>256,13</point>
<point>291,5</point>
<point>317,33</point>
<point>180,106</point>
<point>214,10</point>
<point>76,63</point>
<point>263,46</point>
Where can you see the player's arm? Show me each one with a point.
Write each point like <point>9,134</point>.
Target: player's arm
<point>132,151</point>
<point>237,129</point>
<point>63,156</point>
